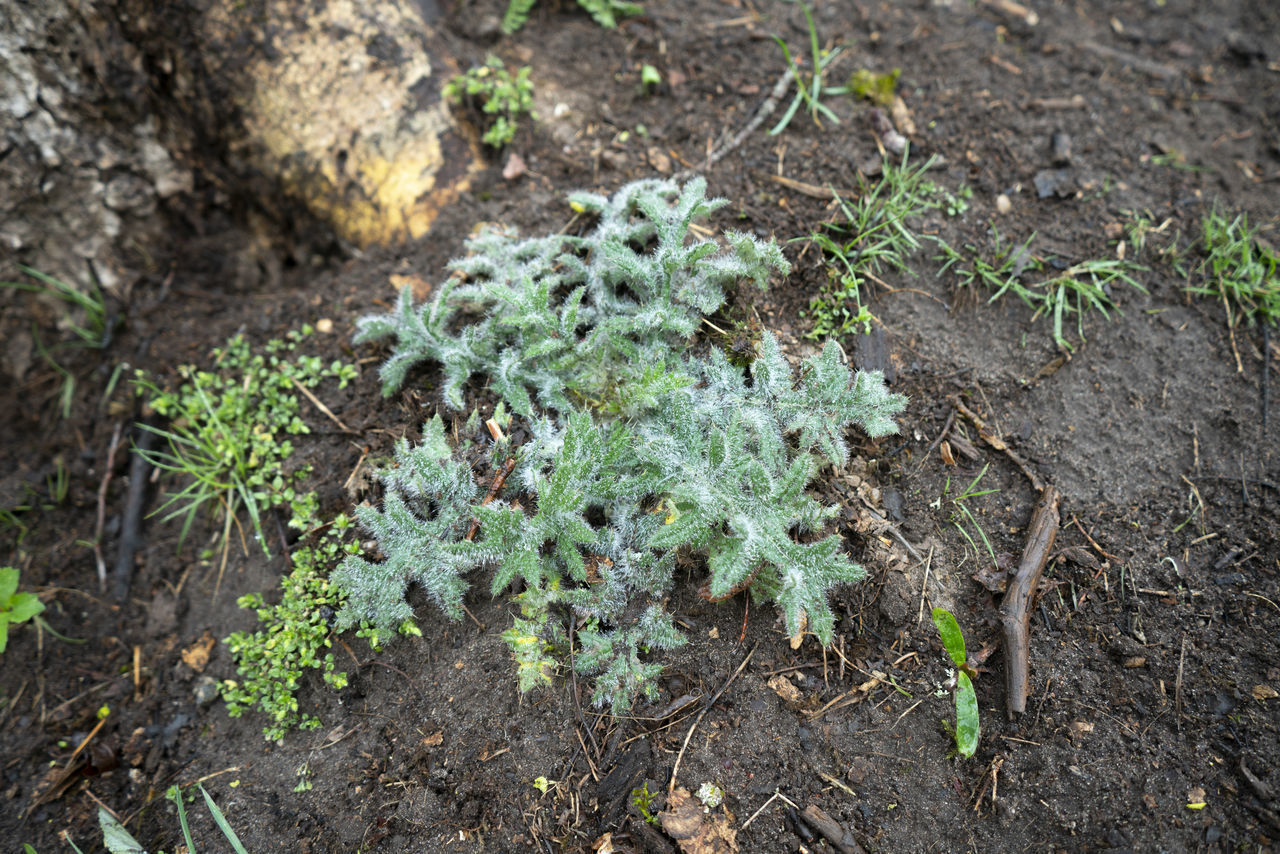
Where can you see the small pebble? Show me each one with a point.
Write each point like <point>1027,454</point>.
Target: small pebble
<point>206,691</point>
<point>1003,205</point>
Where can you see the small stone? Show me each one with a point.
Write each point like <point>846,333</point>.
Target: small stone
<point>324,326</point>
<point>1003,205</point>
<point>131,194</point>
<point>206,691</point>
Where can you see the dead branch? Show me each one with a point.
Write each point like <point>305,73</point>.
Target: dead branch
<point>999,444</point>
<point>1015,610</point>
<point>498,480</point>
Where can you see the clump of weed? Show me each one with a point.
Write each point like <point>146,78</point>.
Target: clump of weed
<point>294,637</point>
<point>86,318</point>
<point>1238,269</point>
<point>499,97</point>
<point>873,236</point>
<point>227,438</point>
<point>228,441</point>
<point>638,448</point>
<point>1076,290</point>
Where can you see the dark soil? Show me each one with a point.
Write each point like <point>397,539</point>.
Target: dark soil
<point>1154,651</point>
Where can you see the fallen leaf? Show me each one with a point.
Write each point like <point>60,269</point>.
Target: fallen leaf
<point>1264,692</point>
<point>603,845</point>
<point>696,830</point>
<point>1079,728</point>
<point>786,689</point>
<point>992,578</point>
<point>659,160</point>
<point>902,116</point>
<point>947,457</point>
<point>421,287</point>
<point>877,678</point>
<point>196,656</point>
<point>1080,556</point>
<point>433,739</point>
<point>798,637</point>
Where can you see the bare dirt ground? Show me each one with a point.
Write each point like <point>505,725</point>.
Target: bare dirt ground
<point>1154,651</point>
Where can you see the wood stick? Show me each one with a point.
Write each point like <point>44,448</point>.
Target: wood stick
<point>134,510</point>
<point>498,480</point>
<point>1015,610</point>
<point>102,505</point>
<point>999,444</point>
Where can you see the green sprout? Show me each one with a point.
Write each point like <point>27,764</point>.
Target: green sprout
<point>963,512</point>
<point>492,90</point>
<point>967,729</point>
<point>15,607</point>
<point>93,333</point>
<point>650,78</point>
<point>1238,269</point>
<point>18,607</point>
<point>809,88</point>
<point>1081,288</point>
<point>871,237</point>
<point>643,800</point>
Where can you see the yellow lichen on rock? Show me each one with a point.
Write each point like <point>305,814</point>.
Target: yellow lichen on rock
<point>342,105</point>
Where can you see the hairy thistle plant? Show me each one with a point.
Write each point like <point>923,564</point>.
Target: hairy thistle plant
<point>638,448</point>
<point>605,12</point>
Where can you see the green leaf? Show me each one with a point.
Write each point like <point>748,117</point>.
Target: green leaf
<point>220,820</point>
<point>24,606</point>
<point>8,585</point>
<point>116,839</point>
<point>966,715</point>
<point>952,639</point>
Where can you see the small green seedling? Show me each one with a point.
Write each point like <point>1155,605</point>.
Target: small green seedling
<point>15,607</point>
<point>117,840</point>
<point>493,91</point>
<point>643,800</point>
<point>809,88</point>
<point>966,700</point>
<point>964,513</point>
<point>650,78</point>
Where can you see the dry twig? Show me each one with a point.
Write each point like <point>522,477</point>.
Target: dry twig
<point>675,770</point>
<point>1015,610</point>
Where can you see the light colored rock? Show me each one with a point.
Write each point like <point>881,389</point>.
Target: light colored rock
<point>359,133</point>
